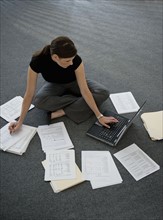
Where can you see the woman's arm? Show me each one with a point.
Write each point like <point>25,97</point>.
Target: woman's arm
<point>30,91</point>
<point>88,97</point>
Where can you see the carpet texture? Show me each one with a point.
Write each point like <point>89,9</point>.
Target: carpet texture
<point>120,43</point>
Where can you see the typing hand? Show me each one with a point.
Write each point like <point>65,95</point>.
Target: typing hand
<point>105,121</point>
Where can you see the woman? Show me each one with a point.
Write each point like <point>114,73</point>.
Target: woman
<point>66,90</point>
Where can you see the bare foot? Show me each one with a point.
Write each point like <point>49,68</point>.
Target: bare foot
<point>57,114</point>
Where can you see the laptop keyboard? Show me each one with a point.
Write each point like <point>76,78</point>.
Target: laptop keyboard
<point>109,133</point>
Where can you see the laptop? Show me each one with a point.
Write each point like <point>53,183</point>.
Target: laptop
<point>116,131</point>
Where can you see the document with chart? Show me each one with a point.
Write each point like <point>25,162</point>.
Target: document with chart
<point>60,185</point>
<point>124,102</point>
<point>60,165</point>
<point>11,110</point>
<point>137,162</point>
<point>99,168</point>
<point>54,137</point>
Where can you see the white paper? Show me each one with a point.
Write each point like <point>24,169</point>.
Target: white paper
<point>16,142</point>
<point>60,185</point>
<point>95,164</point>
<point>12,109</point>
<point>60,165</point>
<point>21,146</point>
<point>124,102</point>
<point>100,169</point>
<point>7,139</point>
<point>136,161</point>
<point>54,137</point>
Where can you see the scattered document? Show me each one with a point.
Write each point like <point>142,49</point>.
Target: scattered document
<point>60,185</point>
<point>12,109</point>
<point>54,137</point>
<point>100,169</point>
<point>124,102</point>
<point>60,165</point>
<point>137,162</point>
<point>153,122</point>
<point>18,141</point>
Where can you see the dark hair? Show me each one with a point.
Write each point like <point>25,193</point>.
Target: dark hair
<point>62,46</point>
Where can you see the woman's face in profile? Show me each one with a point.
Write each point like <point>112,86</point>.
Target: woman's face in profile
<point>63,62</point>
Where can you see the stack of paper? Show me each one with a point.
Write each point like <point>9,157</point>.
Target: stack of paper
<point>153,122</point>
<point>12,109</point>
<point>99,168</point>
<point>124,102</point>
<point>61,170</point>
<point>18,141</point>
<point>60,185</point>
<point>137,162</point>
<point>54,137</point>
<point>60,167</point>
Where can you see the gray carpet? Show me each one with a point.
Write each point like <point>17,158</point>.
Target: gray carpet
<point>120,43</point>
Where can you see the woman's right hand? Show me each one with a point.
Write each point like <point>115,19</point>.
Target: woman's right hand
<point>14,126</point>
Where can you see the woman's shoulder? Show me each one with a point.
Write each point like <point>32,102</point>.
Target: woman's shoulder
<point>37,62</point>
<point>77,58</point>
<point>37,58</point>
<point>77,61</point>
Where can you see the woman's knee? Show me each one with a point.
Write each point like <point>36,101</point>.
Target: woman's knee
<point>105,93</point>
<point>38,101</point>
<point>98,88</point>
<point>100,96</point>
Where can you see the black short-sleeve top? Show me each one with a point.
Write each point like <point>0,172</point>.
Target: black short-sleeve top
<point>52,72</point>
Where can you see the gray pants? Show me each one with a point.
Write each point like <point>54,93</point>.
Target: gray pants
<point>52,97</point>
